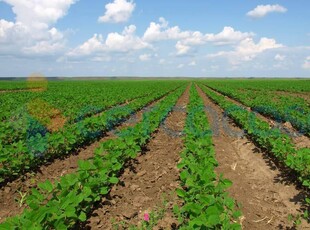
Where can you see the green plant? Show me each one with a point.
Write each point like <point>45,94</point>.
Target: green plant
<point>206,203</point>
<point>68,201</point>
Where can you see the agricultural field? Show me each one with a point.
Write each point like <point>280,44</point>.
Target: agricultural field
<point>155,154</point>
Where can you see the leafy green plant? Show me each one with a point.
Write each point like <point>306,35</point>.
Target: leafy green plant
<point>31,152</point>
<point>206,203</point>
<point>271,139</point>
<point>68,201</point>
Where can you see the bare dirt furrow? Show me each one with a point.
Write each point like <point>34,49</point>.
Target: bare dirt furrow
<point>11,193</point>
<point>300,141</point>
<point>23,90</point>
<point>266,196</point>
<point>150,178</point>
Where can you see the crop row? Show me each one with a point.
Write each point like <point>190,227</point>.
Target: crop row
<point>75,99</point>
<point>271,139</point>
<point>25,126</point>
<point>281,108</point>
<point>206,202</point>
<point>68,201</point>
<point>270,85</point>
<point>24,114</point>
<point>25,155</point>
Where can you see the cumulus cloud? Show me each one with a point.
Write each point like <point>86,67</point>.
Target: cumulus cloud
<point>39,14</point>
<point>279,57</point>
<point>306,64</point>
<point>145,57</point>
<point>92,45</point>
<point>187,39</point>
<point>44,48</point>
<point>182,49</point>
<point>118,11</point>
<point>247,50</point>
<point>5,29</point>
<point>32,31</point>
<point>161,31</point>
<point>227,36</point>
<point>262,10</point>
<point>125,42</point>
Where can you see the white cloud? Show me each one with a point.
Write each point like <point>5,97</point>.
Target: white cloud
<point>5,27</point>
<point>193,63</point>
<point>262,10</point>
<point>101,59</point>
<point>125,42</point>
<point>32,31</point>
<point>187,39</point>
<point>39,14</point>
<point>92,45</point>
<point>118,11</point>
<point>180,66</point>
<point>55,34</point>
<point>145,57</point>
<point>227,36</point>
<point>181,48</point>
<point>247,50</point>
<point>44,48</point>
<point>279,57</point>
<point>161,31</point>
<point>194,39</point>
<point>306,64</point>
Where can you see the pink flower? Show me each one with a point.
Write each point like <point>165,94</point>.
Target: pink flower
<point>146,217</point>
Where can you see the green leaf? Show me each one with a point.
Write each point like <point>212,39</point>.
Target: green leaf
<point>226,183</point>
<point>6,226</point>
<point>198,222</point>
<point>82,217</point>
<point>213,215</point>
<point>47,186</point>
<point>113,180</point>
<point>192,208</point>
<point>306,183</point>
<point>181,193</point>
<point>70,212</point>
<point>176,210</point>
<point>86,165</point>
<point>60,225</point>
<point>306,214</point>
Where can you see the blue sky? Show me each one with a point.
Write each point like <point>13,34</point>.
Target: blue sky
<point>231,38</point>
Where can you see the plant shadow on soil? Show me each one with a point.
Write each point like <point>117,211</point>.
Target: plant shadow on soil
<point>130,165</point>
<point>287,177</point>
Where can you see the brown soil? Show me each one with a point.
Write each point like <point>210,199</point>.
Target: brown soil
<point>145,181</point>
<point>57,122</point>
<point>23,90</point>
<point>265,193</point>
<point>300,141</point>
<point>46,114</point>
<point>9,194</point>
